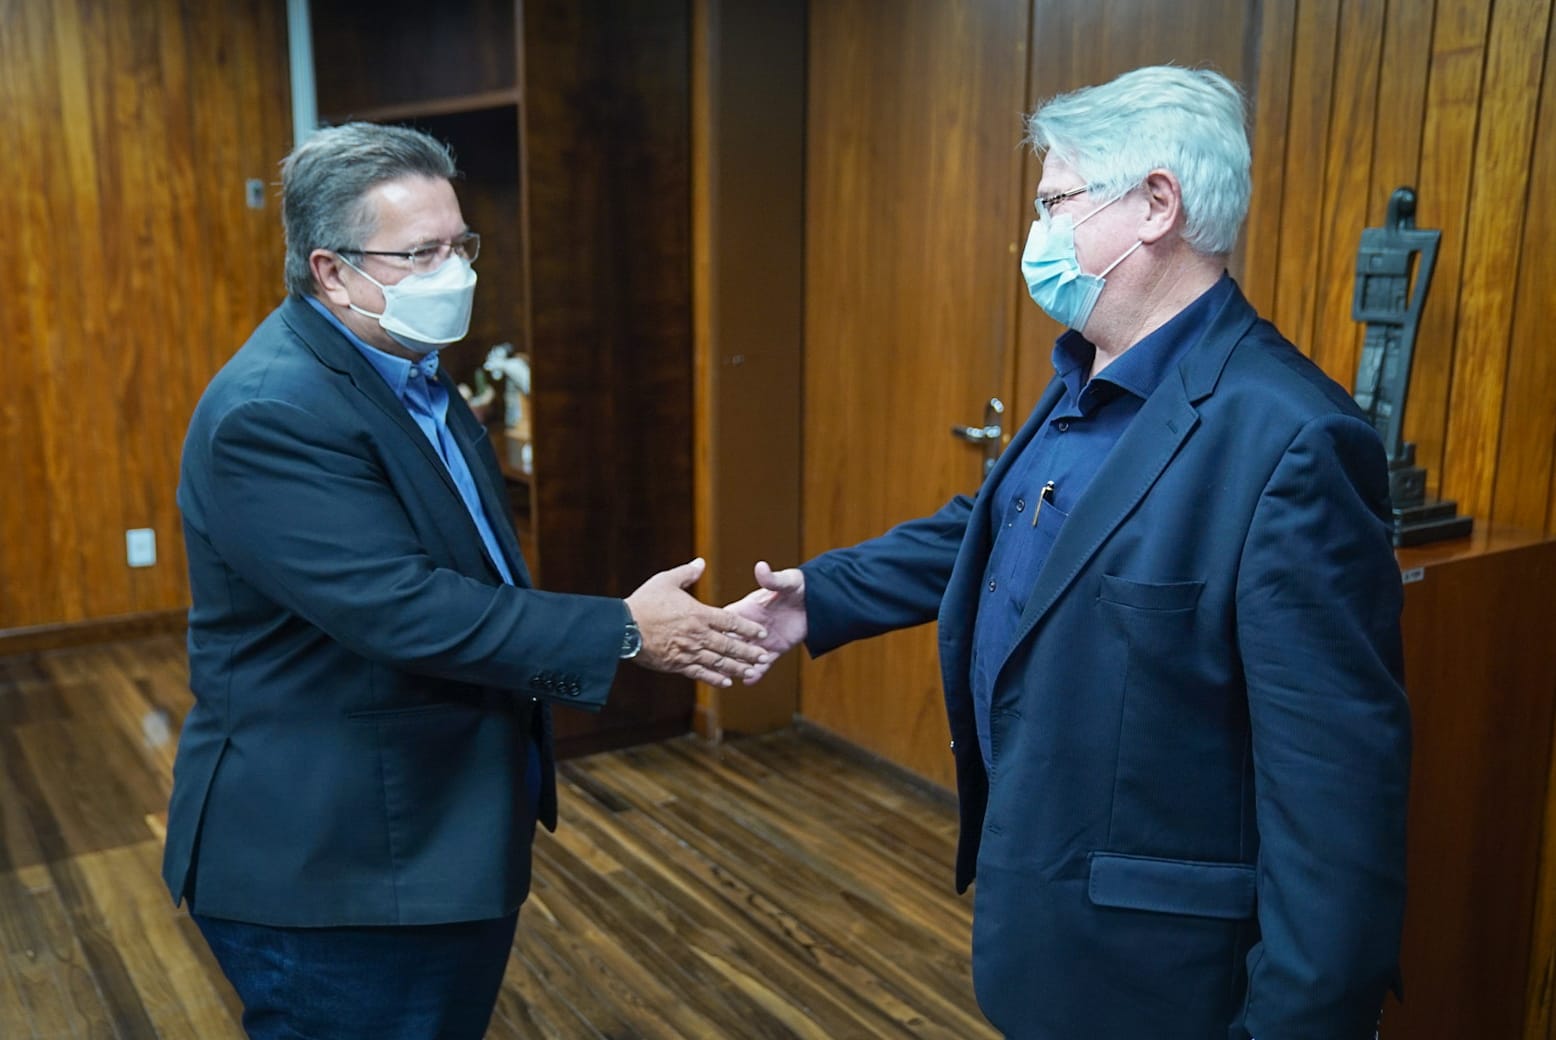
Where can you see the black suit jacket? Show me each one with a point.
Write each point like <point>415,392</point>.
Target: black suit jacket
<point>366,686</point>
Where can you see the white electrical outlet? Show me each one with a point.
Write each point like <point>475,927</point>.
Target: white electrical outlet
<point>140,547</point>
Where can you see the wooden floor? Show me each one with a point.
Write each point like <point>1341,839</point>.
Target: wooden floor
<point>768,888</point>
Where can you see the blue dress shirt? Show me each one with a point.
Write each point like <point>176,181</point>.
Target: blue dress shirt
<point>1041,487</point>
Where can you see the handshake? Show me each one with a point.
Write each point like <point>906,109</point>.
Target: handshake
<point>713,645</point>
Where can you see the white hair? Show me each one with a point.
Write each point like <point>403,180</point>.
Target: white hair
<point>1190,122</point>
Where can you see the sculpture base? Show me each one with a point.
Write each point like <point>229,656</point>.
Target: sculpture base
<point>1430,521</point>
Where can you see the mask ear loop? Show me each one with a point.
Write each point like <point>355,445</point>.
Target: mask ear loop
<point>1109,269</point>
<point>1138,242</point>
<point>359,270</point>
<point>1099,209</point>
<point>381,287</point>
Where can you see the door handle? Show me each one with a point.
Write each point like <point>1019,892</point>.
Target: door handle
<point>990,434</point>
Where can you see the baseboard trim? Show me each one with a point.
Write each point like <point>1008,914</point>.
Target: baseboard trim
<point>843,746</point>
<point>36,638</point>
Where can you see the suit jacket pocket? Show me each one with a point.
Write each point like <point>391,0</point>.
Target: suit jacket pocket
<point>1172,886</point>
<point>1171,595</point>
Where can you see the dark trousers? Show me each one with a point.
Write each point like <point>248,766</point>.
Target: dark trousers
<point>419,982</point>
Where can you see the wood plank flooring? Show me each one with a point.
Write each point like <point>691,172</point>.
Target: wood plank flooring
<point>772,887</point>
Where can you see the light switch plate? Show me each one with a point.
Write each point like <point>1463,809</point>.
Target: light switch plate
<point>140,547</point>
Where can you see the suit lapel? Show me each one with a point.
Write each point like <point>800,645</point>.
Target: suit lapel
<point>1134,464</point>
<point>337,353</point>
<point>470,435</point>
<point>1166,420</point>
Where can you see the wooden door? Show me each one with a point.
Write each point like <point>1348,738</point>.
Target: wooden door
<point>912,183</point>
<point>918,198</point>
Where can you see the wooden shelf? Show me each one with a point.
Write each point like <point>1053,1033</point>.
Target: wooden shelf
<point>507,452</point>
<point>388,61</point>
<point>1485,538</point>
<point>459,104</point>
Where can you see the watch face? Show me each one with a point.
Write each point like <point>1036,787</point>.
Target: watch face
<point>631,641</point>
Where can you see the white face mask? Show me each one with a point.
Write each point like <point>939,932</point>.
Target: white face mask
<point>425,311</point>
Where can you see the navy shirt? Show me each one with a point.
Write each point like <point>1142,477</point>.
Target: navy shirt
<point>1040,488</point>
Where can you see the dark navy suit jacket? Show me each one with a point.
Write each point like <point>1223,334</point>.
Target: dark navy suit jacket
<point>366,686</point>
<point>1194,823</point>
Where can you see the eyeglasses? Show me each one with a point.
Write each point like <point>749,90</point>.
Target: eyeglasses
<point>428,258</point>
<point>1044,204</point>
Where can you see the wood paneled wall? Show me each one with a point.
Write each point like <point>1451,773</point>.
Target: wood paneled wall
<point>131,268</point>
<point>1458,99</point>
<point>1350,99</point>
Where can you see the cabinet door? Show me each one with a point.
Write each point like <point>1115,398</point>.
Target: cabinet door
<point>607,118</point>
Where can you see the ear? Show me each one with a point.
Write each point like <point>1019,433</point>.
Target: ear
<point>1165,197</point>
<point>327,275</point>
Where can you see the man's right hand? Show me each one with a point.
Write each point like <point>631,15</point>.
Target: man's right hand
<point>686,637</point>
<point>778,605</point>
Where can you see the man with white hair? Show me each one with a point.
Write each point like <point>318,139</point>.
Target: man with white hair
<point>1169,623</point>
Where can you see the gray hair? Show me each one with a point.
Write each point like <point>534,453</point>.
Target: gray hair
<point>1191,122</point>
<point>325,181</point>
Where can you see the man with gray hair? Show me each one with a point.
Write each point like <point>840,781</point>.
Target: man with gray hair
<point>1169,623</point>
<point>359,779</point>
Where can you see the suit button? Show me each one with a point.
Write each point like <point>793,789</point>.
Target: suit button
<point>1021,504</point>
<point>993,585</point>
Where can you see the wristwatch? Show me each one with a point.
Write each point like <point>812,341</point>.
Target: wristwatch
<point>631,641</point>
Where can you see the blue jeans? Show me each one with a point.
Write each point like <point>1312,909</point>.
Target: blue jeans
<point>414,982</point>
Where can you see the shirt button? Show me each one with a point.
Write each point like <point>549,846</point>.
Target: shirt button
<point>993,585</point>
<point>1021,504</point>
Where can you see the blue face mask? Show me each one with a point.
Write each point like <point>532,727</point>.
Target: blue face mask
<point>1053,271</point>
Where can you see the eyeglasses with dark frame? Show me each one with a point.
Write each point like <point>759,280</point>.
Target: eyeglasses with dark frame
<point>428,258</point>
<point>1046,203</point>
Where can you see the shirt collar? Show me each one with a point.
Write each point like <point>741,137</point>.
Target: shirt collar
<point>1140,369</point>
<point>396,371</point>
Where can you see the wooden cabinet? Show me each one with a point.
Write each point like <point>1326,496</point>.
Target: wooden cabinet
<point>571,123</point>
<point>1480,669</point>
